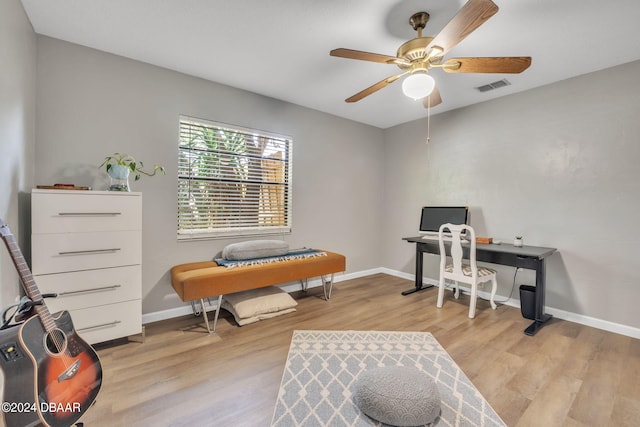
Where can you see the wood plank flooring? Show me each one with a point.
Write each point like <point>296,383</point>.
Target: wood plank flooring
<point>566,375</point>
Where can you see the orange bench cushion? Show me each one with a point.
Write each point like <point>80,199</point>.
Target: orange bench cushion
<point>206,279</point>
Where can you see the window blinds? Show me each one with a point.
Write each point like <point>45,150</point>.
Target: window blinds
<point>232,181</point>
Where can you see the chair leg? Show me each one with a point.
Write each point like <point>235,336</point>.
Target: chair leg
<point>440,293</point>
<point>456,292</point>
<point>472,302</point>
<point>494,288</point>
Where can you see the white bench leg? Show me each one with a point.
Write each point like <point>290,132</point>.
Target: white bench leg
<point>215,317</point>
<point>204,314</point>
<point>304,283</point>
<point>327,296</point>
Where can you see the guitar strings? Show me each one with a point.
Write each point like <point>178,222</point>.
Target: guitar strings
<point>58,339</point>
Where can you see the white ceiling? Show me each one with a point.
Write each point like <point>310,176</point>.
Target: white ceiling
<point>280,48</point>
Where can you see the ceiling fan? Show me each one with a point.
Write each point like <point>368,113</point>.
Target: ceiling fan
<point>417,56</point>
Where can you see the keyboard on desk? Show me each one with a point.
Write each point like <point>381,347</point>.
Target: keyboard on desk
<point>445,237</point>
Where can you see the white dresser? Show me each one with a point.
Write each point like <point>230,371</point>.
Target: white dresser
<point>86,246</point>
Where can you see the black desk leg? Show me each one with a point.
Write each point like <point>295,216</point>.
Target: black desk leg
<point>419,262</point>
<point>541,317</point>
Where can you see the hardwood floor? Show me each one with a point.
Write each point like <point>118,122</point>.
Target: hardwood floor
<point>566,375</point>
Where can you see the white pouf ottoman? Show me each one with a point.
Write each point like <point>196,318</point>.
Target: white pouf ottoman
<point>398,396</point>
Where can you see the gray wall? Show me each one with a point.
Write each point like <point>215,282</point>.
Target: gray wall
<point>558,165</point>
<point>91,104</point>
<point>17,122</point>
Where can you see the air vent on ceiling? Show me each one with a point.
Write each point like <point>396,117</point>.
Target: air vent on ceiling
<point>494,85</point>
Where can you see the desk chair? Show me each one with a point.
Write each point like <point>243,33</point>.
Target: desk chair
<point>462,272</point>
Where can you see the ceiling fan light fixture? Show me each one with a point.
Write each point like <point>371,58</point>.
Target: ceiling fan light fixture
<point>418,85</point>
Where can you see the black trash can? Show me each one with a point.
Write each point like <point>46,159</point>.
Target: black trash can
<point>528,301</point>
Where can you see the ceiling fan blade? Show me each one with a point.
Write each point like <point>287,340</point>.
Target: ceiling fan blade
<point>367,56</point>
<point>473,14</point>
<point>511,64</point>
<point>433,99</point>
<point>375,87</point>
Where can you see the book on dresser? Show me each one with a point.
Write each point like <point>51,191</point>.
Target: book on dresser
<point>86,247</point>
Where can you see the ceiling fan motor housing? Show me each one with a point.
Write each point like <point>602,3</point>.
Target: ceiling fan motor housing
<point>413,49</point>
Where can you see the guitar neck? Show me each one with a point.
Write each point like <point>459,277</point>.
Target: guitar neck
<point>28,283</point>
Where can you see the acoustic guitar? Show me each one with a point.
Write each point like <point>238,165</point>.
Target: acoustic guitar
<point>51,375</point>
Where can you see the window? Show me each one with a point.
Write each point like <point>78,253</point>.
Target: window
<point>232,181</point>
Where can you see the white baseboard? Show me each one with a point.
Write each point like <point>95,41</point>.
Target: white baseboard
<point>595,323</point>
<point>292,287</point>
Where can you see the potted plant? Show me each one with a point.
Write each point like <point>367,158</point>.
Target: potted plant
<point>120,165</point>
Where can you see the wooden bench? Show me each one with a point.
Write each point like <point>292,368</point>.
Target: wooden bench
<point>199,280</point>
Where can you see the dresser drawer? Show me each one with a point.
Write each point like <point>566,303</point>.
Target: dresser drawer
<point>61,252</point>
<point>90,288</point>
<point>59,211</point>
<point>107,322</point>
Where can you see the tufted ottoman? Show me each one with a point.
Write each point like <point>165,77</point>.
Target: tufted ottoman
<point>398,396</point>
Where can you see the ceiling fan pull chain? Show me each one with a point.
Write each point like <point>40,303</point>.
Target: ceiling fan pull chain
<point>428,118</point>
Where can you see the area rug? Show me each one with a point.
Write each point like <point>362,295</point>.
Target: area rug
<point>322,367</point>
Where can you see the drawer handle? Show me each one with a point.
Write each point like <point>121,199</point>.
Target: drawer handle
<point>90,251</point>
<point>81,291</point>
<point>89,213</point>
<point>102,325</point>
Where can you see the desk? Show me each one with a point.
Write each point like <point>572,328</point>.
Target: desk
<point>529,257</point>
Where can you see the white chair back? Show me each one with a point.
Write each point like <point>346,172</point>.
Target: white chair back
<point>456,240</point>
<point>456,269</point>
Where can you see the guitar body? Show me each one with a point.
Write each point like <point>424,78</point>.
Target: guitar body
<point>66,370</point>
<point>52,376</point>
<point>17,370</point>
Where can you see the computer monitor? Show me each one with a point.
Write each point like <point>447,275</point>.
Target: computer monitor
<point>433,217</point>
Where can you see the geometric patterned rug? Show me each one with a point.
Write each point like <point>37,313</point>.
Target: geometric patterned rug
<point>322,367</point>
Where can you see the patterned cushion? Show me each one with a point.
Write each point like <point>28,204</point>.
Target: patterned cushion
<point>466,270</point>
<point>398,396</point>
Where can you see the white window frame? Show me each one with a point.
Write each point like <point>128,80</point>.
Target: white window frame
<point>232,223</point>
